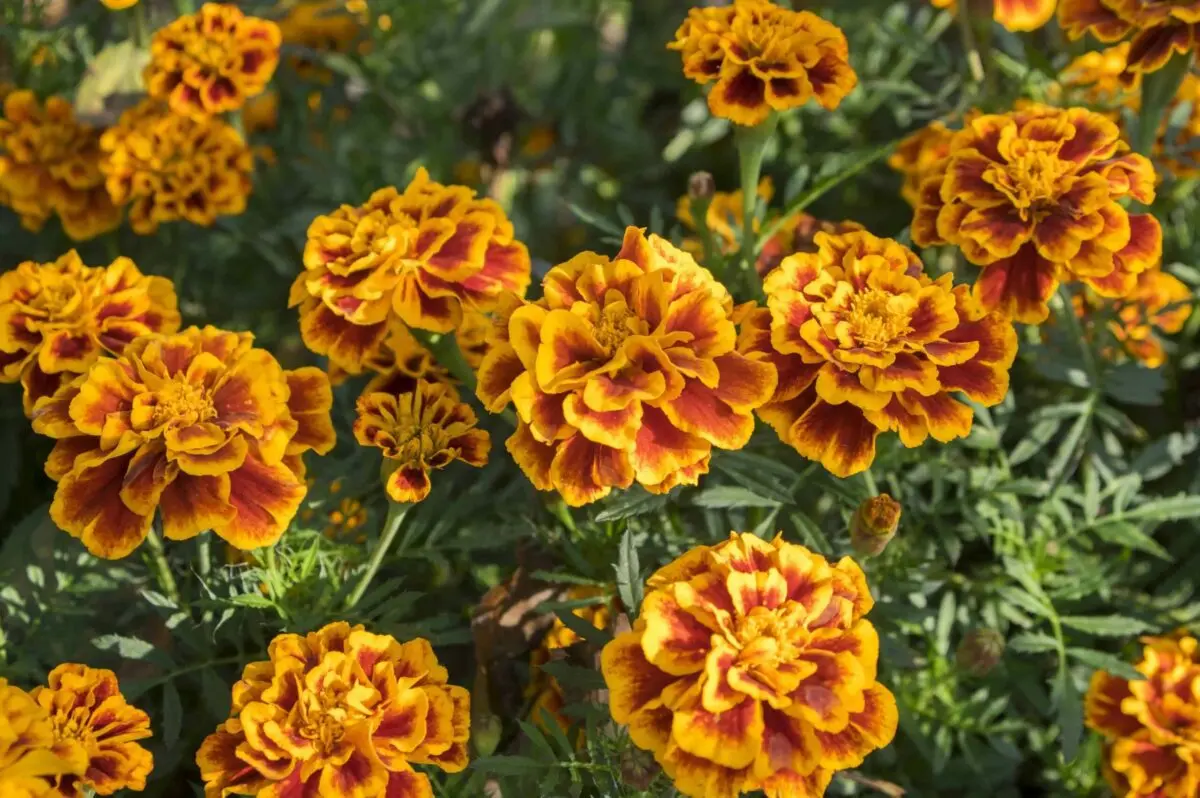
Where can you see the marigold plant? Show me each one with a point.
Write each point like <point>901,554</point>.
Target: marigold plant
<point>548,699</point>
<point>1159,28</point>
<point>57,318</point>
<point>30,754</point>
<point>86,708</point>
<point>1159,305</point>
<point>358,711</point>
<point>764,58</point>
<point>1151,726</point>
<point>1014,15</point>
<point>624,371</point>
<point>751,667</point>
<point>1033,197</point>
<point>199,426</point>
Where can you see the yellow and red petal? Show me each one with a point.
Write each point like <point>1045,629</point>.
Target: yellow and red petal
<point>838,436</point>
<point>739,96</point>
<point>87,504</point>
<point>1077,17</point>
<point>402,726</point>
<point>532,456</point>
<point>870,729</point>
<point>500,368</point>
<point>310,399</point>
<point>615,428</point>
<point>107,388</point>
<point>837,386</point>
<point>567,353</point>
<point>634,684</point>
<point>663,449</point>
<point>362,775</point>
<point>407,783</point>
<point>473,447</point>
<point>1102,706</point>
<point>730,739</point>
<point>265,498</point>
<point>674,640</point>
<point>583,471</point>
<point>193,504</point>
<point>698,411</point>
<point>348,345</point>
<point>408,484</point>
<point>1152,47</point>
<point>64,350</point>
<point>1020,286</point>
<point>1023,15</point>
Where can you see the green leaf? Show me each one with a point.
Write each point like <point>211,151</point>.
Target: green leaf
<point>630,503</point>
<point>508,765</point>
<point>582,680</point>
<point>1035,441</point>
<point>172,714</point>
<point>597,637</point>
<point>1032,643</point>
<point>1105,662</point>
<point>595,220</point>
<point>1105,625</point>
<point>1134,384</point>
<point>730,496</point>
<point>1172,508</point>
<point>629,575</point>
<point>125,647</point>
<point>1126,534</point>
<point>1070,715</point>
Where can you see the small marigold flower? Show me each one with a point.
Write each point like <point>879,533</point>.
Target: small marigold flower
<point>422,257</point>
<point>1151,727</point>
<point>168,167</point>
<point>625,370</point>
<point>346,521</point>
<point>916,156</point>
<point>874,524</point>
<point>751,667</point>
<point>57,318</point>
<point>547,694</point>
<point>50,165</point>
<point>798,233</point>
<point>420,431</point>
<point>764,58</point>
<point>30,754</point>
<point>86,708</point>
<point>1014,15</point>
<point>865,343</point>
<point>321,25</point>
<point>210,62</point>
<point>360,710</point>
<point>1159,28</point>
<point>1033,197</point>
<point>1096,77</point>
<point>117,5</point>
<point>200,426</point>
<point>980,651</point>
<point>1159,305</point>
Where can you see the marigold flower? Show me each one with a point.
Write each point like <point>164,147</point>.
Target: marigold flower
<point>117,5</point>
<point>1159,28</point>
<point>1014,15</point>
<point>864,342</point>
<point>1033,196</point>
<point>359,709</point>
<point>624,370</point>
<point>1096,77</point>
<point>321,25</point>
<point>420,431</point>
<point>210,62</point>
<point>200,426</point>
<point>751,667</point>
<point>1159,305</point>
<point>50,165</point>
<point>874,524</point>
<point>169,167</point>
<point>916,156</point>
<point>86,708</point>
<point>798,233</point>
<point>345,521</point>
<point>1151,727</point>
<point>764,58</point>
<point>30,755</point>
<point>421,257</point>
<point>547,694</point>
<point>57,318</point>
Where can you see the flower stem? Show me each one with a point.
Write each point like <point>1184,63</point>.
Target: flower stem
<point>967,27</point>
<point>391,526</point>
<point>1158,90</point>
<point>444,347</point>
<point>139,34</point>
<point>162,569</point>
<point>1075,331</point>
<point>751,145</point>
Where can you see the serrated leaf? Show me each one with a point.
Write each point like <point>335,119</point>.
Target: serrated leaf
<point>1124,533</point>
<point>630,503</point>
<point>1134,384</point>
<point>1035,441</point>
<point>582,680</point>
<point>1172,508</point>
<point>731,496</point>
<point>124,646</point>
<point>1105,625</point>
<point>1032,643</point>
<point>1070,715</point>
<point>1105,662</point>
<point>629,575</point>
<point>581,627</point>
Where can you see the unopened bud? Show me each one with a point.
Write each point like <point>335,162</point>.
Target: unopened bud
<point>701,186</point>
<point>980,651</point>
<point>486,730</point>
<point>874,524</point>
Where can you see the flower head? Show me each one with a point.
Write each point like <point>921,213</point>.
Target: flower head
<point>86,708</point>
<point>117,5</point>
<point>1097,77</point>
<point>865,343</point>
<point>1151,727</point>
<point>751,667</point>
<point>1159,28</point>
<point>422,257</point>
<point>1159,305</point>
<point>980,651</point>
<point>874,524</point>
<point>1033,197</point>
<point>321,25</point>
<point>200,426</point>
<point>420,431</point>
<point>50,164</point>
<point>764,58</point>
<point>169,167</point>
<point>210,62</point>
<point>624,370</point>
<point>340,711</point>
<point>1014,15</point>
<point>57,318</point>
<point>30,755</point>
<point>345,521</point>
<point>918,154</point>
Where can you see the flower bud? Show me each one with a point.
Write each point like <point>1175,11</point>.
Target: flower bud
<point>980,651</point>
<point>701,186</point>
<point>486,730</point>
<point>874,524</point>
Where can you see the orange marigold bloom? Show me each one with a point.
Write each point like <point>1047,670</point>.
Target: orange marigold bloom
<point>1096,77</point>
<point>345,520</point>
<point>50,164</point>
<point>420,431</point>
<point>624,370</point>
<point>169,167</point>
<point>86,708</point>
<point>318,25</point>
<point>422,257</point>
<point>798,233</point>
<point>1151,727</point>
<point>200,426</point>
<point>1032,196</point>
<point>210,62</point>
<point>764,58</point>
<point>117,5</point>
<point>30,755</point>
<point>1159,28</point>
<point>864,342</point>
<point>57,318</point>
<point>916,156</point>
<point>1014,15</point>
<point>544,689</point>
<point>1159,305</point>
<point>751,667</point>
<point>338,712</point>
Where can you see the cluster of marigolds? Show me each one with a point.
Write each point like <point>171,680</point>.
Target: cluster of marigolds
<point>751,665</point>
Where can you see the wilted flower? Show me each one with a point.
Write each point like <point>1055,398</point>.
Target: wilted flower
<point>764,58</point>
<point>1151,727</point>
<point>624,370</point>
<point>30,755</point>
<point>50,164</point>
<point>874,524</point>
<point>57,318</point>
<point>210,62</point>
<point>1159,305</point>
<point>168,167</point>
<point>544,689</point>
<point>1033,196</point>
<point>1159,27</point>
<point>420,431</point>
<point>86,708</point>
<point>751,667</point>
<point>700,187</point>
<point>864,342</point>
<point>1014,15</point>
<point>200,426</point>
<point>980,651</point>
<point>338,712</point>
<point>422,257</point>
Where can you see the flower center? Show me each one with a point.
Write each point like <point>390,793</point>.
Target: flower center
<point>379,236</point>
<point>323,715</point>
<point>182,402</point>
<point>59,299</point>
<point>766,639</point>
<point>617,322</point>
<point>875,321</point>
<point>1033,177</point>
<point>75,726</point>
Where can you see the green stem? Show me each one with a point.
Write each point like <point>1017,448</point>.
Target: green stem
<point>185,7</point>
<point>751,145</point>
<point>139,33</point>
<point>1075,331</point>
<point>967,27</point>
<point>391,527</point>
<point>204,567</point>
<point>444,347</point>
<point>1158,90</point>
<point>699,207</point>
<point>162,569</point>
